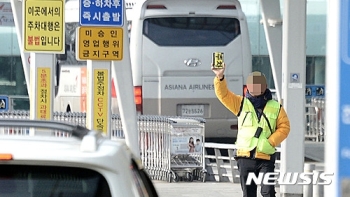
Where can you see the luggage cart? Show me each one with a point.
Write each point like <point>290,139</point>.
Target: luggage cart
<point>187,150</point>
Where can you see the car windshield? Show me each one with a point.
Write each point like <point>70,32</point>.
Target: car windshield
<point>44,181</point>
<point>191,31</point>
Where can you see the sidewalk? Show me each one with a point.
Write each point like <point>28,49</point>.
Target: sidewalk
<point>199,189</point>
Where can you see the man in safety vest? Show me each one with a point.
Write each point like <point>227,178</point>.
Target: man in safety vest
<point>262,125</point>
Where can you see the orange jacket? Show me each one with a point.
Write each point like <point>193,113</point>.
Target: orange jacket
<point>233,102</point>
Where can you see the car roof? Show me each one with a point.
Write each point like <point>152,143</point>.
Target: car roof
<point>84,149</point>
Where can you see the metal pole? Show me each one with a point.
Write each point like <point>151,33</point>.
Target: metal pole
<point>293,87</point>
<point>121,72</point>
<point>307,189</point>
<point>317,188</point>
<point>271,15</point>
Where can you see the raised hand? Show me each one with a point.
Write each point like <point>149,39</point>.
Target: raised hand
<point>219,72</point>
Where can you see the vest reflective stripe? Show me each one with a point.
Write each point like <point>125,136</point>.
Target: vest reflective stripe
<point>248,124</point>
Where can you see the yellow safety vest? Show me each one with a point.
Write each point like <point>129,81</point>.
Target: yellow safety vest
<point>248,124</point>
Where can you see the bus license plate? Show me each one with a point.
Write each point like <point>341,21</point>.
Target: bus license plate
<point>192,110</point>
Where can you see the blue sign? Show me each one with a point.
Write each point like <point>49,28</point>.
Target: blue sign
<point>4,103</point>
<point>314,91</point>
<point>344,100</point>
<point>295,77</point>
<point>101,12</point>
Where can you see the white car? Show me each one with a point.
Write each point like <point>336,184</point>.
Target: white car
<point>48,158</point>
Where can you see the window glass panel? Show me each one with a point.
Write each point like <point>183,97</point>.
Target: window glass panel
<point>191,31</point>
<point>315,70</point>
<point>12,80</point>
<point>43,181</point>
<point>262,64</point>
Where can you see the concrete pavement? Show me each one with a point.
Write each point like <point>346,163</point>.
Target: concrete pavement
<point>313,151</point>
<point>199,189</point>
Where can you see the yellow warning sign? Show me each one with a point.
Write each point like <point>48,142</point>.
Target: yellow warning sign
<point>43,94</point>
<point>100,43</point>
<point>100,79</point>
<point>44,26</point>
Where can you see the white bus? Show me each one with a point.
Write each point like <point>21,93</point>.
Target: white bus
<point>171,46</point>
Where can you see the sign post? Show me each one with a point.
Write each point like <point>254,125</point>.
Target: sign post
<point>102,39</point>
<point>43,36</point>
<point>98,44</point>
<point>337,124</point>
<point>41,82</point>
<point>98,109</point>
<point>101,13</point>
<point>44,26</point>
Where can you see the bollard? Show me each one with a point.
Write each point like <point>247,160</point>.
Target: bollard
<point>317,188</point>
<point>307,189</point>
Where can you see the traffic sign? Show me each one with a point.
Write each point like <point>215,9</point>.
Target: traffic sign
<point>44,26</point>
<point>4,103</point>
<point>101,13</point>
<point>43,93</point>
<point>314,91</point>
<point>99,43</point>
<point>101,87</point>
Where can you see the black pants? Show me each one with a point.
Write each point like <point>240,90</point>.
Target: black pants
<point>247,165</point>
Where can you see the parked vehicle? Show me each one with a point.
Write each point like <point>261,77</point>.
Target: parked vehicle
<point>47,158</point>
<point>171,46</point>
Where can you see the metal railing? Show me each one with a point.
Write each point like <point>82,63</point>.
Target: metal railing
<point>224,168</point>
<point>155,135</point>
<point>314,116</point>
<point>314,119</point>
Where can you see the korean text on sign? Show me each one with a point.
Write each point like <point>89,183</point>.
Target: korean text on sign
<point>44,26</point>
<point>100,96</point>
<point>43,94</point>
<point>83,86</point>
<point>97,43</point>
<point>101,12</point>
